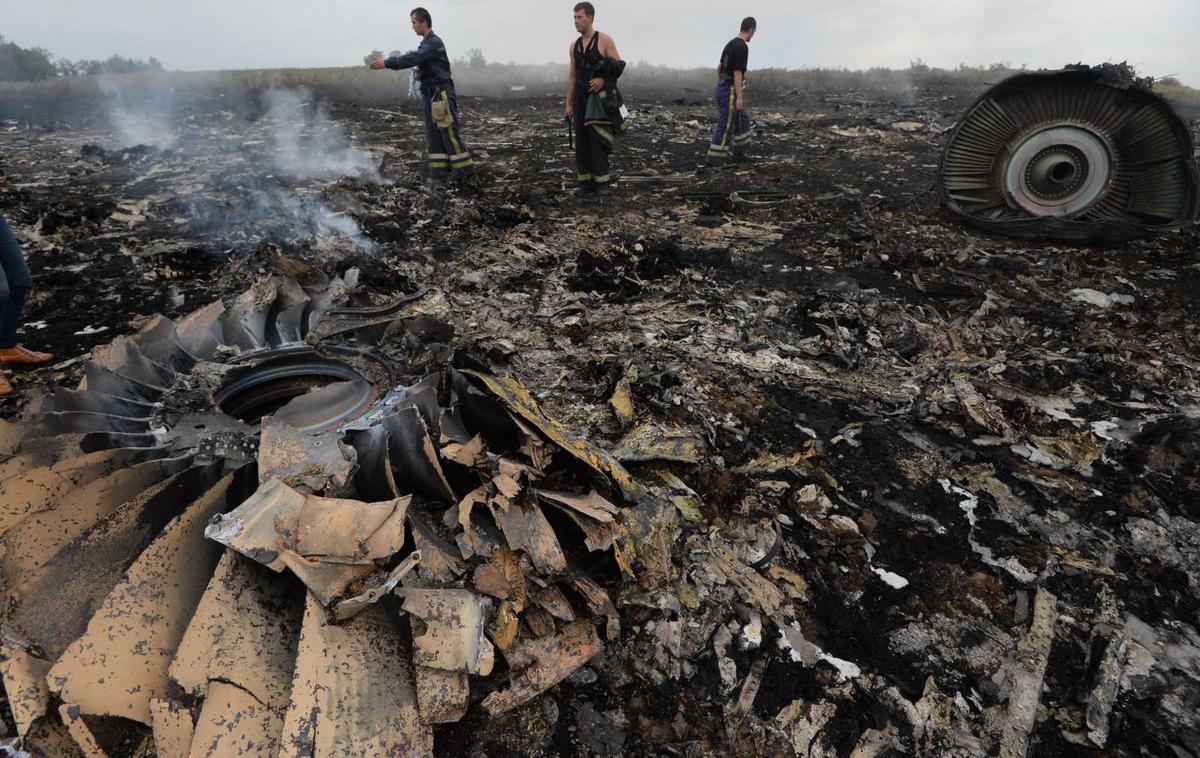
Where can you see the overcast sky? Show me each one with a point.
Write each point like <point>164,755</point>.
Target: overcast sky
<point>1158,36</point>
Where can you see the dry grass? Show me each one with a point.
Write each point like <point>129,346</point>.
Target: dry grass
<point>493,80</point>
<point>499,80</point>
<point>1179,94</point>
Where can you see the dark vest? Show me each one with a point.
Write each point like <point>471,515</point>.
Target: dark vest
<point>586,60</point>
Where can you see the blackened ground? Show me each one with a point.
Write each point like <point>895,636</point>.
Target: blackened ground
<point>841,320</point>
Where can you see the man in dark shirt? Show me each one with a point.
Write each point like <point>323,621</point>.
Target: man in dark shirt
<point>732,132</point>
<point>448,154</point>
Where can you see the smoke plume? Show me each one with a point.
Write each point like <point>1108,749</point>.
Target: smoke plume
<point>307,143</point>
<point>141,117</point>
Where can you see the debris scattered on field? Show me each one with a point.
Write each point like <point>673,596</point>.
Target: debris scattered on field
<point>674,472</point>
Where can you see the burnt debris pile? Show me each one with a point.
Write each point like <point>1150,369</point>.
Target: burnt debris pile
<point>171,591</point>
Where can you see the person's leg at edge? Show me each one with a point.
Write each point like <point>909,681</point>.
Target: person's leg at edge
<point>5,387</point>
<point>12,295</point>
<point>15,282</point>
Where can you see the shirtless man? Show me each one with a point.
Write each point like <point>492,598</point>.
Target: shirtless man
<point>591,57</point>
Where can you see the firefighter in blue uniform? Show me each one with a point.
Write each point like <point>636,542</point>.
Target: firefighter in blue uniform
<point>449,155</point>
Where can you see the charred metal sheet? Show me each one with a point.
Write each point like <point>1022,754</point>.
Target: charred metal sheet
<point>244,631</point>
<point>250,529</point>
<point>318,463</point>
<point>234,722</point>
<point>442,696</point>
<point>540,664</point>
<point>54,606</point>
<point>173,729</point>
<point>120,663</point>
<point>24,677</point>
<point>353,692</point>
<point>327,543</point>
<point>1080,155</point>
<point>517,398</point>
<point>31,543</point>
<point>453,638</point>
<point>244,323</point>
<point>525,528</point>
<point>85,740</point>
<point>337,321</point>
<point>591,505</point>
<point>349,531</point>
<point>441,561</point>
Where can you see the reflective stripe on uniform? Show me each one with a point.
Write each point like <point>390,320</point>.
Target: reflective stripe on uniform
<point>729,117</point>
<point>450,129</point>
<point>601,179</point>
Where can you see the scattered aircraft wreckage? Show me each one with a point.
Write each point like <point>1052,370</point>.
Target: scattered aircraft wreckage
<point>1083,154</point>
<point>249,533</point>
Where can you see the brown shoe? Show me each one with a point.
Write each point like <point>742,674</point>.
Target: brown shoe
<point>5,387</point>
<point>23,356</point>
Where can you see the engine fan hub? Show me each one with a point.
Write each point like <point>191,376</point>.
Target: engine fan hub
<point>1059,171</point>
<point>272,379</point>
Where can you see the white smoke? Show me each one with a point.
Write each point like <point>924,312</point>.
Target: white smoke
<point>307,143</point>
<point>311,218</point>
<point>139,112</point>
<point>304,143</point>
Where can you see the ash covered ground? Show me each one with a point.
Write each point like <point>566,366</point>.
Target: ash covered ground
<point>960,472</point>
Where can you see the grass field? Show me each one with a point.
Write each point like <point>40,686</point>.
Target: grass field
<point>361,85</point>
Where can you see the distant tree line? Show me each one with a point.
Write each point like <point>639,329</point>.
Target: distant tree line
<point>114,64</point>
<point>20,64</point>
